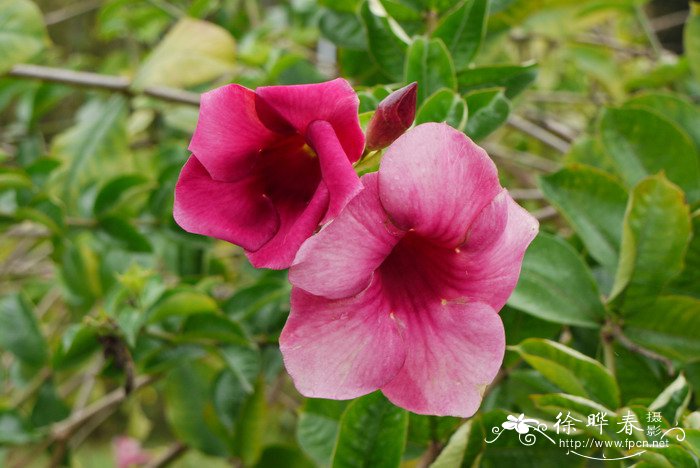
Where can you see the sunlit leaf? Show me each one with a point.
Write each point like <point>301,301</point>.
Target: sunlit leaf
<point>22,32</point>
<point>656,233</point>
<point>192,52</point>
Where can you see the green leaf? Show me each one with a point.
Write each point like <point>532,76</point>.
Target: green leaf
<point>580,407</point>
<point>125,234</point>
<point>453,453</point>
<point>317,428</point>
<point>670,326</point>
<point>343,29</point>
<point>19,331</point>
<point>228,398</point>
<point>251,427</point>
<point>463,29</point>
<point>80,272</point>
<point>187,402</point>
<point>488,110</point>
<point>594,204</point>
<point>429,63</point>
<point>48,407</point>
<point>656,233</point>
<point>113,191</point>
<point>372,433</point>
<point>673,401</point>
<point>182,303</point>
<point>346,6</point>
<point>444,106</point>
<point>675,108</point>
<point>556,285</point>
<point>12,180</point>
<point>642,143</point>
<point>244,362</point>
<point>691,39</point>
<point>387,41</point>
<point>688,282</point>
<point>180,61</point>
<point>513,78</point>
<point>90,148</point>
<point>213,327</point>
<point>78,343</point>
<point>292,456</point>
<point>573,372</point>
<point>22,32</point>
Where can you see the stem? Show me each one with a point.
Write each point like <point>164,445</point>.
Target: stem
<point>607,338</point>
<point>174,452</point>
<point>538,133</point>
<point>118,84</point>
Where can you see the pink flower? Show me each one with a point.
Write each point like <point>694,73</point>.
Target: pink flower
<point>268,166</point>
<point>401,291</point>
<point>128,452</point>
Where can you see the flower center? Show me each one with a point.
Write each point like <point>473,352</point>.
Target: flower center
<point>289,171</point>
<point>421,272</point>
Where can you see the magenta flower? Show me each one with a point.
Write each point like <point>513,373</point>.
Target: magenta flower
<point>268,166</point>
<point>401,291</point>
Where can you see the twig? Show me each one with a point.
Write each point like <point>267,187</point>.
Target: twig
<point>557,127</point>
<point>617,333</point>
<point>526,194</point>
<point>612,44</point>
<point>529,160</point>
<point>118,84</point>
<point>434,449</point>
<point>173,452</point>
<point>538,133</point>
<point>70,11</point>
<point>63,430</point>
<point>168,8</point>
<point>34,385</point>
<point>670,21</point>
<point>548,212</point>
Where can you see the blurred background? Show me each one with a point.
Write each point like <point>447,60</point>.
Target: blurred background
<point>125,341</point>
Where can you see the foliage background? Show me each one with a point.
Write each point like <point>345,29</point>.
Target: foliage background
<point>113,321</point>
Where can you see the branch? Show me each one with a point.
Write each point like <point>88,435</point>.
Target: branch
<point>71,11</point>
<point>670,21</point>
<point>538,133</point>
<point>618,335</point>
<point>63,430</point>
<point>117,84</point>
<point>173,452</point>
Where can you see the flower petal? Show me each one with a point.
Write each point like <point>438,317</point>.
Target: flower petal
<point>493,252</point>
<point>454,352</point>
<point>341,349</point>
<point>229,134</point>
<point>333,101</point>
<point>436,180</point>
<point>298,221</point>
<point>339,261</point>
<point>338,173</point>
<point>232,211</point>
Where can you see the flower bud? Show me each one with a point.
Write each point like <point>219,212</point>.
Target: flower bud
<point>393,117</point>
